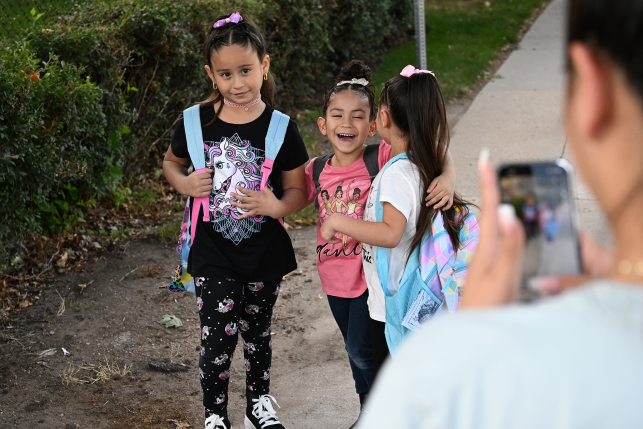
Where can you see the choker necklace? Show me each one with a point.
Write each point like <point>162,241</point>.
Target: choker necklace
<point>242,106</point>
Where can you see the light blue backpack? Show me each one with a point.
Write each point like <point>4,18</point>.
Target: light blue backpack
<point>433,277</point>
<point>182,280</point>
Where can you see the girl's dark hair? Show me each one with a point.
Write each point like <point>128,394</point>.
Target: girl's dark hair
<point>417,109</point>
<point>245,33</point>
<point>612,28</point>
<point>354,70</point>
<point>324,191</point>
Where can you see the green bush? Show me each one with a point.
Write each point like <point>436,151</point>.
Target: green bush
<point>149,52</point>
<point>56,143</point>
<point>115,77</point>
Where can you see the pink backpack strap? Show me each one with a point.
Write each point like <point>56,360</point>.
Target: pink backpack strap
<point>198,203</point>
<point>266,169</point>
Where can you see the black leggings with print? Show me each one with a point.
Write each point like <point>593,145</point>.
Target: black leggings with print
<point>227,306</point>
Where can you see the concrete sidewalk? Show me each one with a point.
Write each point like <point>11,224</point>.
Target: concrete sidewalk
<point>518,115</point>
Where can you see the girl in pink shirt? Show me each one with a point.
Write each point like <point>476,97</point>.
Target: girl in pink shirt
<point>339,183</point>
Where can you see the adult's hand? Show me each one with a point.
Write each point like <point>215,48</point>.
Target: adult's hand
<point>494,274</point>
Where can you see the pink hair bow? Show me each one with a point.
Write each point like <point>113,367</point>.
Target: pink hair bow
<point>235,17</point>
<point>409,70</point>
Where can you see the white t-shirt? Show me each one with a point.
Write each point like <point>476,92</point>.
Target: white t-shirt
<point>401,188</point>
<point>573,361</point>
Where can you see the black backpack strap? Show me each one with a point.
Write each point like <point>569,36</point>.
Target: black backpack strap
<point>371,154</point>
<point>318,167</point>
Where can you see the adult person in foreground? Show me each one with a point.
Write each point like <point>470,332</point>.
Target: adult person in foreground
<point>574,360</point>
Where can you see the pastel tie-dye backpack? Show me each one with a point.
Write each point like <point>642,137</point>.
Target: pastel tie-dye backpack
<point>433,277</point>
<point>182,280</point>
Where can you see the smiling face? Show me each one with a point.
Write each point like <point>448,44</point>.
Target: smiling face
<point>347,124</point>
<point>238,72</point>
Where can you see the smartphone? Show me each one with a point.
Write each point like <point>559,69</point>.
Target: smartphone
<point>542,194</point>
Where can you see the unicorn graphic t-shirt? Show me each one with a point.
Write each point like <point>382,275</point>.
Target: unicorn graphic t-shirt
<point>252,249</point>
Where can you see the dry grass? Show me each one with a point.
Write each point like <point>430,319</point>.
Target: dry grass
<point>61,306</point>
<point>100,373</point>
<point>174,352</point>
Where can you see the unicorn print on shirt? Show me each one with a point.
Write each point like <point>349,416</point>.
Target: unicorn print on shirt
<point>234,163</point>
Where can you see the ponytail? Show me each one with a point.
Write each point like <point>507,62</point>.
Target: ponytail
<point>417,108</point>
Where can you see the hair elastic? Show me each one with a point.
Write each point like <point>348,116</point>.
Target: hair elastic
<point>354,81</point>
<point>235,17</point>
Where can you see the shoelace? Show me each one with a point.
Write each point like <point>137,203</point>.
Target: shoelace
<point>263,411</point>
<point>214,422</point>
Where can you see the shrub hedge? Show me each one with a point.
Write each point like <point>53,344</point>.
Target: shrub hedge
<point>51,136</point>
<point>140,64</point>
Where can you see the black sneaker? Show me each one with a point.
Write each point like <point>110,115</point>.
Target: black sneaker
<point>260,414</point>
<point>362,401</point>
<point>217,422</point>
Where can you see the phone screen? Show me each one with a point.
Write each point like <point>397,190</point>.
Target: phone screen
<point>542,196</point>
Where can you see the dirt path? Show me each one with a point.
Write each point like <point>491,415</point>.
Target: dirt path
<point>116,320</point>
<point>113,320</point>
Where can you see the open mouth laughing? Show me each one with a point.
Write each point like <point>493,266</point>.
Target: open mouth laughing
<point>346,138</point>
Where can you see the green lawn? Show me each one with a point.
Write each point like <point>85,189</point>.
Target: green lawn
<point>463,37</point>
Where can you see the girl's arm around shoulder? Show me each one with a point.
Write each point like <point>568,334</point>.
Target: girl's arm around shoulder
<point>387,233</point>
<point>442,188</point>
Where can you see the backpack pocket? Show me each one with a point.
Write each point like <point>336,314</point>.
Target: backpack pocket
<point>413,301</point>
<point>182,280</point>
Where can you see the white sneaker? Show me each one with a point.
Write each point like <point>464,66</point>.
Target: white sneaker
<point>263,415</point>
<point>217,422</point>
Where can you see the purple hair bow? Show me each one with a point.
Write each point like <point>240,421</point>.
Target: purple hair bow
<point>409,70</point>
<point>235,17</point>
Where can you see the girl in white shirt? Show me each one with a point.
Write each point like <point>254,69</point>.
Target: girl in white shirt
<point>412,119</point>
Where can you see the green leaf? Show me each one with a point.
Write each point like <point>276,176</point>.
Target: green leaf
<point>73,191</point>
<point>33,11</point>
<point>116,172</point>
<point>44,207</point>
<point>114,141</point>
<point>125,129</point>
<point>62,204</point>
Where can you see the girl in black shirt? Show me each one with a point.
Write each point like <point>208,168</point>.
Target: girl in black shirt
<point>239,257</point>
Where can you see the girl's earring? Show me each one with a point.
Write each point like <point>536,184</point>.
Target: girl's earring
<point>265,77</point>
<point>214,85</point>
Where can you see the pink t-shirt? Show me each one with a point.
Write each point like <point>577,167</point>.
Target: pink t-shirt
<point>343,190</point>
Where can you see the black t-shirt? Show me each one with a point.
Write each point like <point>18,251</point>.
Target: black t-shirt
<point>252,249</point>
